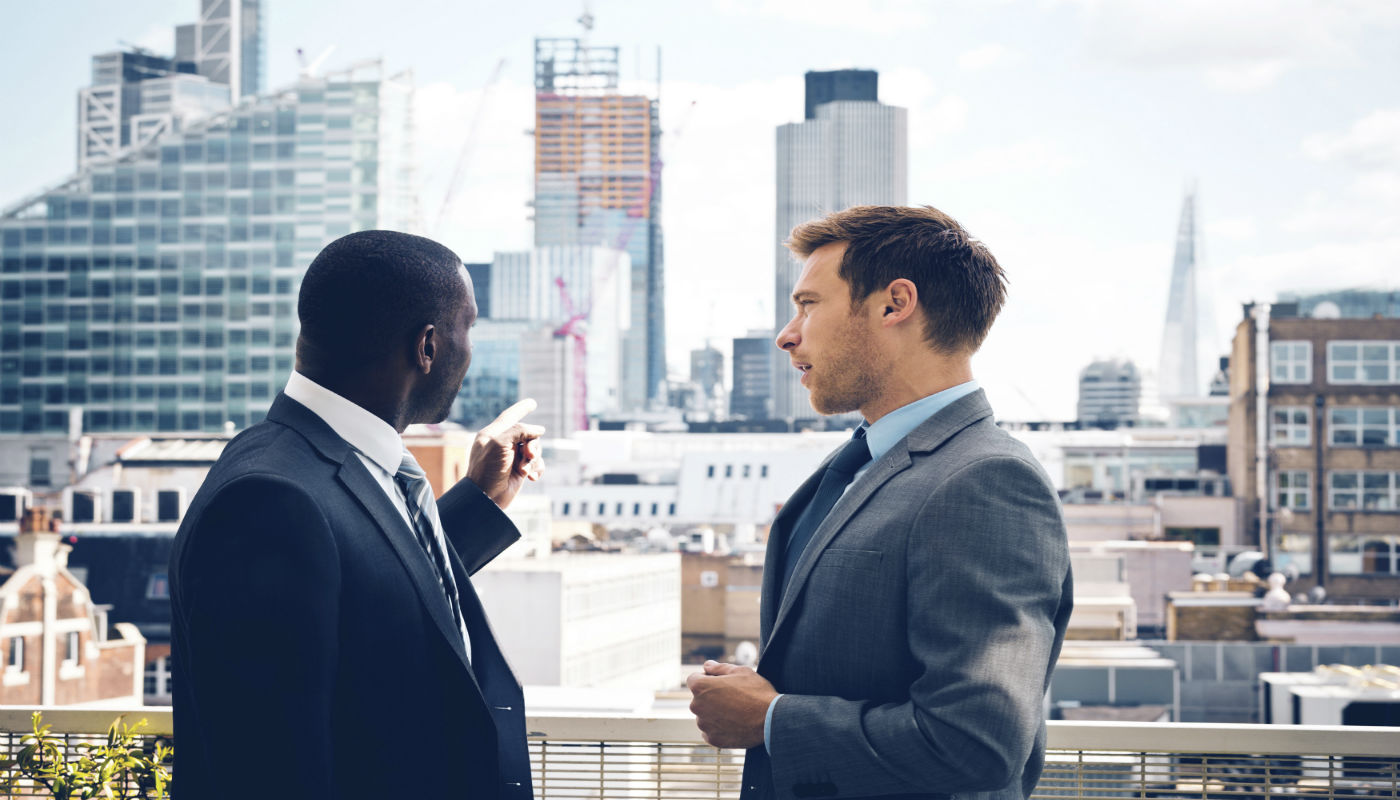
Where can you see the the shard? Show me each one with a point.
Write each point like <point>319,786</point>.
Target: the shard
<point>1177,373</point>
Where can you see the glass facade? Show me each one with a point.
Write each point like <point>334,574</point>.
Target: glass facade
<point>157,292</point>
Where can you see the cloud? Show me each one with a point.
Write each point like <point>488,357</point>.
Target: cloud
<point>872,16</point>
<point>1025,158</point>
<point>1372,142</point>
<point>484,129</point>
<point>1239,46</point>
<point>1233,229</point>
<point>988,55</point>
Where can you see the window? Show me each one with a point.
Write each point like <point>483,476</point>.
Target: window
<point>746,471</point>
<point>1291,362</point>
<point>1364,427</point>
<point>1363,362</point>
<point>1292,490</point>
<point>1364,490</point>
<point>1364,554</point>
<point>1289,426</point>
<point>157,678</point>
<point>565,512</point>
<point>16,659</point>
<point>728,470</point>
<point>710,471</point>
<point>72,651</point>
<point>158,587</point>
<point>763,471</point>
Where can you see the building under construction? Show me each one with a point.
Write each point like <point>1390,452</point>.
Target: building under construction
<point>598,183</point>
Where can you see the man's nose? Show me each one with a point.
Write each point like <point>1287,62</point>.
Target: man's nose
<point>787,337</point>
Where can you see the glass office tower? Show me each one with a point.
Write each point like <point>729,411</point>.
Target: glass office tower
<point>157,291</point>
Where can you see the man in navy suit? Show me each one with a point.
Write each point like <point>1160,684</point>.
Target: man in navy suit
<point>328,640</point>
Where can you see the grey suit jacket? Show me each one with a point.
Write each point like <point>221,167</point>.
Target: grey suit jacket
<point>916,639</point>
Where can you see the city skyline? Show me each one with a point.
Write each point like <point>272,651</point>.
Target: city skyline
<point>1062,134</point>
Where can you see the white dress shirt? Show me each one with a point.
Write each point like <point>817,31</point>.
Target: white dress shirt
<point>375,441</point>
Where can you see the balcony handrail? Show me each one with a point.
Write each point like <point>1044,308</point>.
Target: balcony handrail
<point>1149,737</point>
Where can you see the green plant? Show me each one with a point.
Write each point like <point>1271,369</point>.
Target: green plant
<point>121,768</point>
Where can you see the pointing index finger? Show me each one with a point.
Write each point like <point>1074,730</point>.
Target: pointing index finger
<point>510,416</point>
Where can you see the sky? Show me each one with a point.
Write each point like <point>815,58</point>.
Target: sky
<point>1062,133</point>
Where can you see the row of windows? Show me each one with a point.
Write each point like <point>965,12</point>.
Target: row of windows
<point>618,509</point>
<point>1357,426</point>
<point>1347,490</point>
<point>237,229</point>
<point>72,652</point>
<point>233,311</point>
<point>122,366</point>
<point>1348,362</point>
<point>127,420</point>
<point>80,286</point>
<point>214,257</point>
<point>141,392</point>
<point>1347,553</point>
<point>144,338</point>
<point>746,470</point>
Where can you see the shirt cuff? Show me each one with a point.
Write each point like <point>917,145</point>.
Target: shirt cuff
<point>768,725</point>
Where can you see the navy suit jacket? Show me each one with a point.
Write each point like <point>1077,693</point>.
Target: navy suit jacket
<point>315,653</point>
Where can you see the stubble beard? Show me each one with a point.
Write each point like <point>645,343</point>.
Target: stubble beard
<point>849,379</point>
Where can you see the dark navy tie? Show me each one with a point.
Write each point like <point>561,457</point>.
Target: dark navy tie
<point>422,509</point>
<point>838,475</point>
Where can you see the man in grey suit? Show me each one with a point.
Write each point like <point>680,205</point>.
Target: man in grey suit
<point>916,587</point>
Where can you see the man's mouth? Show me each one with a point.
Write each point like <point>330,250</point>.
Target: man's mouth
<point>802,368</point>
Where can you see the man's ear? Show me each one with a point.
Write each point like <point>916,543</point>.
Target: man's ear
<point>425,348</point>
<point>901,300</point>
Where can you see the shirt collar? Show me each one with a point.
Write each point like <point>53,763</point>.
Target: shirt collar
<point>886,432</point>
<point>371,436</point>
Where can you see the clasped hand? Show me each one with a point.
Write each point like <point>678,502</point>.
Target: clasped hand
<point>730,704</point>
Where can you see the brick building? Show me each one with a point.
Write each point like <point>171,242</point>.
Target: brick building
<point>56,645</point>
<point>1314,448</point>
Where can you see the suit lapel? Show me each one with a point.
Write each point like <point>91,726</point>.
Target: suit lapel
<point>889,465</point>
<point>778,534</point>
<point>355,477</point>
<point>929,436</point>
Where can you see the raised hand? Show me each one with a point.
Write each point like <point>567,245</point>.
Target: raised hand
<point>506,453</point>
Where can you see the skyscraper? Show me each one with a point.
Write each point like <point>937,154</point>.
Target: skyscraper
<point>1109,393</point>
<point>225,45</point>
<point>1177,374</point>
<point>157,291</point>
<point>598,182</point>
<point>135,98</point>
<point>750,389</point>
<point>850,150</point>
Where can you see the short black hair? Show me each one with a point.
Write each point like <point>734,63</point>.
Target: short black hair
<point>365,293</point>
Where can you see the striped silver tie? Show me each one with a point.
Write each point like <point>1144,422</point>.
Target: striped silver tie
<point>422,509</point>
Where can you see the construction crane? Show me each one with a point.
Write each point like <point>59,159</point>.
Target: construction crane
<point>468,147</point>
<point>575,327</point>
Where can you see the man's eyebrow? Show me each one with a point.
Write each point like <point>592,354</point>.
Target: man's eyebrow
<point>803,295</point>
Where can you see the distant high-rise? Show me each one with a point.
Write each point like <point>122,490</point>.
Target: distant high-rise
<point>157,291</point>
<point>597,281</point>
<point>137,96</point>
<point>1109,393</point>
<point>1177,373</point>
<point>707,370</point>
<point>841,84</point>
<point>225,45</point>
<point>481,288</point>
<point>598,182</point>
<point>750,390</point>
<point>847,152</point>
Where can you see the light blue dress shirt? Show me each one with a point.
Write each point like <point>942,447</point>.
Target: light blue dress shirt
<point>881,436</point>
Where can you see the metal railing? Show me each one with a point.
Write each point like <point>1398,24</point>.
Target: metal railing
<point>664,758</point>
